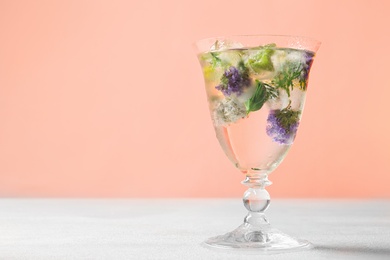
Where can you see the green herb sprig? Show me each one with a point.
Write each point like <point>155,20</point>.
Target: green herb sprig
<point>215,60</point>
<point>285,78</point>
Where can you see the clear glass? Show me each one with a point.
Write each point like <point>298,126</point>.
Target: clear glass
<point>256,88</point>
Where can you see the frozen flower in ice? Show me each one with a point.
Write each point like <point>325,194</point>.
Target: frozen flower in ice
<point>234,80</point>
<point>296,67</point>
<point>228,111</point>
<point>283,125</point>
<point>261,61</point>
<point>308,60</point>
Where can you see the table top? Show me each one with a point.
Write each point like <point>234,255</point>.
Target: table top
<point>175,228</point>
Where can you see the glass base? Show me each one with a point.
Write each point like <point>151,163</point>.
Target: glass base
<point>254,240</point>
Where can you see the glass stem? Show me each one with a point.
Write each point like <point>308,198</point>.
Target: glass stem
<point>256,200</point>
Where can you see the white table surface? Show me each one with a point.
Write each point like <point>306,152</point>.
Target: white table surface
<point>175,228</point>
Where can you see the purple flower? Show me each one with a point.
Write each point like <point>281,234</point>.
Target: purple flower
<point>234,80</point>
<point>306,69</point>
<point>283,125</point>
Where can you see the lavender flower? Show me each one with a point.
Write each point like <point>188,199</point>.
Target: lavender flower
<point>308,57</point>
<point>234,80</point>
<point>283,125</point>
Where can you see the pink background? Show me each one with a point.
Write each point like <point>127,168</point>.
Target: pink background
<point>106,98</point>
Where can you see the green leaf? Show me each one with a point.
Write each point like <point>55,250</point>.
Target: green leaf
<point>215,58</point>
<point>262,94</point>
<point>262,60</point>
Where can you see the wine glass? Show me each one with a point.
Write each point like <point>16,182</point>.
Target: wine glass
<point>256,87</point>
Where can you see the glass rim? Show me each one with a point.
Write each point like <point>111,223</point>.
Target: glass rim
<point>315,44</point>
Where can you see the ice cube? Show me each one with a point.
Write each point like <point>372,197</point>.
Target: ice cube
<point>298,57</point>
<point>221,45</point>
<point>278,59</point>
<point>229,52</point>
